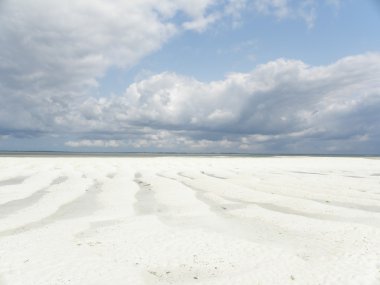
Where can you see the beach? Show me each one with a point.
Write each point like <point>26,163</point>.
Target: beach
<point>189,220</point>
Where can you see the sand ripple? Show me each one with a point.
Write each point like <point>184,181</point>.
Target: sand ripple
<point>189,220</point>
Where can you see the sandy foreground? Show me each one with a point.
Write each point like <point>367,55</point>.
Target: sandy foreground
<point>189,220</point>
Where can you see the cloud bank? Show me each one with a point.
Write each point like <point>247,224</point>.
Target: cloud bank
<point>284,104</point>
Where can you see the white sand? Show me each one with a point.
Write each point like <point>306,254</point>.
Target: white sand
<point>176,220</point>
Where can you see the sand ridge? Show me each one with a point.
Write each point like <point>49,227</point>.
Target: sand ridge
<point>189,220</point>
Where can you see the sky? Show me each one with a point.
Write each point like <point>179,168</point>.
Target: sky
<point>240,76</point>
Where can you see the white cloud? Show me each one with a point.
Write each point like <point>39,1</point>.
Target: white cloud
<point>281,9</point>
<point>94,143</point>
<point>295,95</point>
<point>279,104</point>
<point>52,53</point>
<point>202,23</point>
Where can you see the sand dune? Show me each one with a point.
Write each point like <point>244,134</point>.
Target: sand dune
<point>189,220</point>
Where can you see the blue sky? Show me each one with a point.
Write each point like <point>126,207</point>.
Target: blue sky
<point>263,76</point>
<point>346,29</point>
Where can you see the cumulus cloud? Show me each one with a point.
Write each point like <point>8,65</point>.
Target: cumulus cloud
<point>281,104</point>
<point>293,93</point>
<point>52,53</point>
